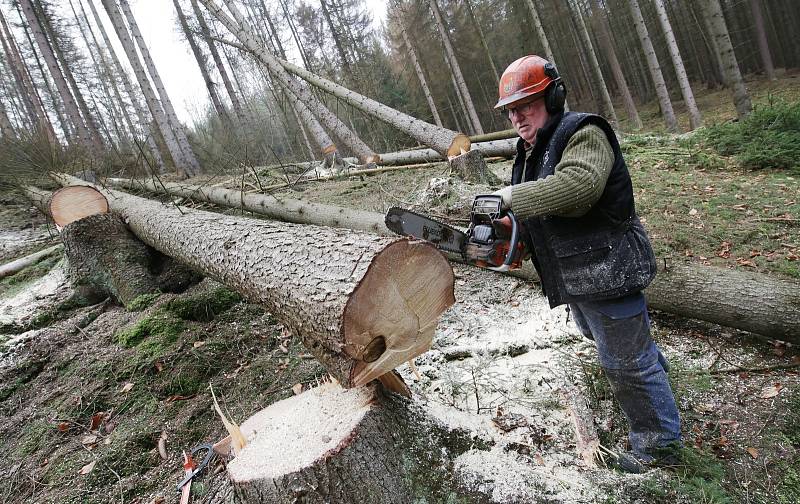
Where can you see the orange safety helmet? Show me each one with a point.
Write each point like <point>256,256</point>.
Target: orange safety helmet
<point>531,76</point>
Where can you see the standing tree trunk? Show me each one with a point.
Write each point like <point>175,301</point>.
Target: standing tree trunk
<point>201,62</point>
<point>540,33</point>
<point>655,69</point>
<point>244,33</point>
<point>468,5</point>
<point>741,99</point>
<point>84,137</point>
<point>412,53</point>
<point>362,304</point>
<point>212,48</point>
<point>88,117</point>
<point>761,36</point>
<point>604,37</point>
<point>598,82</point>
<point>192,167</point>
<point>695,120</point>
<point>150,97</point>
<point>141,113</point>
<point>450,57</point>
<point>6,129</point>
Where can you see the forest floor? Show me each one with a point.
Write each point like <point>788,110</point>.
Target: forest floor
<point>97,403</point>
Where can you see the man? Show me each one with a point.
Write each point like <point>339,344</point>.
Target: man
<point>572,190</point>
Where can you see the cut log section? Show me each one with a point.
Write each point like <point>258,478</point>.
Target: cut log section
<point>362,304</point>
<point>70,204</point>
<point>354,445</point>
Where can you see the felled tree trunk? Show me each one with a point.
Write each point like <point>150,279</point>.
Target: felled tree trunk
<point>751,302</point>
<point>356,445</point>
<point>14,267</point>
<point>362,304</point>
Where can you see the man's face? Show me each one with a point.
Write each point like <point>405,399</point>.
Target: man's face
<point>528,118</point>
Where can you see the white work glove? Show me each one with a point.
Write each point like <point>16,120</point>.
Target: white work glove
<point>505,193</point>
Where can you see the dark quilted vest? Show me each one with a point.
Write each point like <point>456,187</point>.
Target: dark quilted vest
<point>603,254</point>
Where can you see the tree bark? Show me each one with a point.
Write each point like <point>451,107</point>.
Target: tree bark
<point>141,113</point>
<point>598,82</point>
<point>6,129</point>
<point>695,120</point>
<point>361,304</point>
<point>360,445</point>
<point>191,167</point>
<point>741,98</point>
<point>751,302</point>
<point>604,37</point>
<point>655,69</point>
<point>455,68</point>
<point>153,103</point>
<point>761,36</point>
<point>298,92</point>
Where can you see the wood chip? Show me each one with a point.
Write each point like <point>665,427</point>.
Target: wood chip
<point>771,391</point>
<point>297,389</point>
<point>162,446</point>
<point>753,452</point>
<point>87,468</point>
<point>126,388</point>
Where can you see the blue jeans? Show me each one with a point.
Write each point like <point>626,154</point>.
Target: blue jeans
<point>635,368</point>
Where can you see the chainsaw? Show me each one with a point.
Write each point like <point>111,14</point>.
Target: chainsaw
<point>492,240</point>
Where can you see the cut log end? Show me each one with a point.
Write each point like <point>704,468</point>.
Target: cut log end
<point>391,317</point>
<point>461,143</point>
<point>373,159</point>
<point>73,203</point>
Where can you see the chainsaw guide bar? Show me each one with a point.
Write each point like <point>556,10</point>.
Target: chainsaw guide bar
<point>443,236</point>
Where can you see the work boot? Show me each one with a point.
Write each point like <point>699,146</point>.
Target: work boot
<point>666,457</point>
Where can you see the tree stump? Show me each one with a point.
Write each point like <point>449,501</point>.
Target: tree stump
<point>334,445</point>
<point>104,259</point>
<point>471,167</point>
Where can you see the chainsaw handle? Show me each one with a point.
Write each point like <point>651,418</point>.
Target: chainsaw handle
<point>512,248</point>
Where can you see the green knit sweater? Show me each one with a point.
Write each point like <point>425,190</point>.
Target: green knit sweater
<point>578,182</point>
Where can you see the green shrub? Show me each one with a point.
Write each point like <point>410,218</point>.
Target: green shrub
<point>767,138</point>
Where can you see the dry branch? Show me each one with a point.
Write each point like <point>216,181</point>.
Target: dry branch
<point>17,265</point>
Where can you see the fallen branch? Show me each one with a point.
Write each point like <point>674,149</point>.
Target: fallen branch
<point>20,264</point>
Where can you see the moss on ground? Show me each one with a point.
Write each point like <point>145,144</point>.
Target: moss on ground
<point>143,301</point>
<point>204,306</point>
<point>161,327</point>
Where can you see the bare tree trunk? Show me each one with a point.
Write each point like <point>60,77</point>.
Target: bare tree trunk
<point>761,36</point>
<point>362,304</point>
<point>192,167</point>
<point>598,82</point>
<point>655,69</point>
<point>741,99</point>
<point>450,56</point>
<point>88,117</point>
<point>30,95</point>
<point>141,113</point>
<point>212,48</point>
<point>201,62</point>
<point>604,37</point>
<point>150,97</point>
<point>695,120</point>
<point>105,66</point>
<point>412,53</point>
<point>243,32</point>
<point>336,42</point>
<point>6,129</point>
<point>468,5</point>
<point>441,139</point>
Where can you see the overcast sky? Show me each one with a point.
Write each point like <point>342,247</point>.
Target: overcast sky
<point>173,57</point>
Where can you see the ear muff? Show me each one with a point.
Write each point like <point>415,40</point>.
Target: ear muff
<point>555,97</point>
